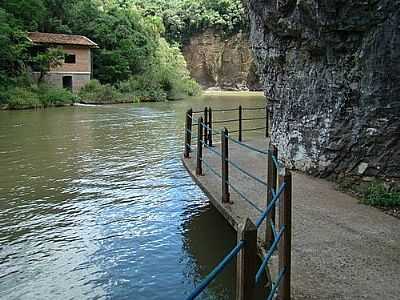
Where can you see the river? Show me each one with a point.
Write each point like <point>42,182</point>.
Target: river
<point>95,204</point>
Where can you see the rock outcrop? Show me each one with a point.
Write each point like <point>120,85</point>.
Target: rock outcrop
<point>221,62</point>
<point>332,71</point>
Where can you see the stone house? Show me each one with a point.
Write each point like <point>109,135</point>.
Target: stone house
<point>76,69</point>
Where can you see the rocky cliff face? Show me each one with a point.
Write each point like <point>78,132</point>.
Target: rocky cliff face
<point>332,70</point>
<point>221,62</point>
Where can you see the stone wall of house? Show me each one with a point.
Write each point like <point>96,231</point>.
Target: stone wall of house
<point>332,71</point>
<point>56,79</point>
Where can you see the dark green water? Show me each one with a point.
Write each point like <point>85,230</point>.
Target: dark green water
<point>95,204</point>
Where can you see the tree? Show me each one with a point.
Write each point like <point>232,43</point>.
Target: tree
<point>45,61</point>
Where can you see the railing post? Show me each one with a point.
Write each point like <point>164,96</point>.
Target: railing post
<point>272,184</point>
<point>266,121</point>
<point>188,133</point>
<point>285,245</point>
<point>225,166</point>
<point>206,123</point>
<point>199,167</point>
<point>210,133</point>
<point>246,265</point>
<point>240,122</point>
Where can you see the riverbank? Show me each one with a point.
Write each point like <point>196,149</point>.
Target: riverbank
<point>228,93</point>
<point>112,99</point>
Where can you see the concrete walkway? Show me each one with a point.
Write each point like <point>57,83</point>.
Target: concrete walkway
<point>341,249</point>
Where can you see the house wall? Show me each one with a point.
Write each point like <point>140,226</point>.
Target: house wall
<point>80,71</point>
<point>56,79</point>
<point>83,60</point>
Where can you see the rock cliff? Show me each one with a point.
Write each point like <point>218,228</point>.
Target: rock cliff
<point>221,62</point>
<point>332,71</point>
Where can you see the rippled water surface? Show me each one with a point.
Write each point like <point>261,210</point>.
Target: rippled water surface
<point>95,204</point>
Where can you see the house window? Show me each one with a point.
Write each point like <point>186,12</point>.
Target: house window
<point>70,59</point>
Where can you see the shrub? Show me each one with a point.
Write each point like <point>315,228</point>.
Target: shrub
<point>22,98</point>
<point>96,93</point>
<point>378,195</point>
<point>50,96</point>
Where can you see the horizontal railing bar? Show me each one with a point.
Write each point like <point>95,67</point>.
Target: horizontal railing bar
<point>218,269</point>
<point>225,109</point>
<point>207,127</point>
<point>276,285</point>
<point>211,149</point>
<point>248,146</point>
<point>270,206</point>
<point>245,198</point>
<point>225,121</point>
<point>211,169</point>
<point>251,119</point>
<point>254,129</point>
<point>247,173</point>
<point>271,251</point>
<point>253,108</point>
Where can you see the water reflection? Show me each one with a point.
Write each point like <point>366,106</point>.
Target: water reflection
<point>207,235</point>
<point>95,204</point>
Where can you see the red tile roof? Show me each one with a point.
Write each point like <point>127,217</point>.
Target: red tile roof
<point>60,39</point>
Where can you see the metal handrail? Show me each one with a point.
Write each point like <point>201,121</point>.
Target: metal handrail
<point>269,254</point>
<point>218,269</point>
<point>264,214</point>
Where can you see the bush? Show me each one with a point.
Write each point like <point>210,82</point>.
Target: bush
<point>378,195</point>
<point>36,97</point>
<point>96,93</point>
<point>56,97</point>
<point>22,98</point>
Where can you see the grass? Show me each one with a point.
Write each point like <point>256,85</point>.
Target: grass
<point>378,195</point>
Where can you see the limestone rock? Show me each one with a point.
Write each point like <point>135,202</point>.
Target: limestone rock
<point>332,71</point>
<point>221,62</point>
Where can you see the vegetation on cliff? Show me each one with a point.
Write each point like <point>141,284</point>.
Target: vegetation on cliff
<point>183,18</point>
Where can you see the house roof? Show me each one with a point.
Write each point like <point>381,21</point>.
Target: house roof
<point>60,39</point>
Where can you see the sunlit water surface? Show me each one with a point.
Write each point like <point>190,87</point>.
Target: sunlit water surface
<point>95,204</point>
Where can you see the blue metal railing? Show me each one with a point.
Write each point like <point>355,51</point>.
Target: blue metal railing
<point>218,269</point>
<point>264,213</point>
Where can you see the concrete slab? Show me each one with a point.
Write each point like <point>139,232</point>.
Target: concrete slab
<point>341,249</point>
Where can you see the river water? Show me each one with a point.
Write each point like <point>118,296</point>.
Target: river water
<point>95,204</point>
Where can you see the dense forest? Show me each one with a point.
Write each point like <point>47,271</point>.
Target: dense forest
<point>139,56</point>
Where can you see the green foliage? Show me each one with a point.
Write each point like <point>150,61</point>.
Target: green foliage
<point>13,47</point>
<point>378,195</point>
<point>165,77</point>
<point>132,56</point>
<point>96,93</point>
<point>44,61</point>
<point>36,97</point>
<point>29,13</point>
<point>50,96</point>
<point>22,98</point>
<point>183,18</point>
